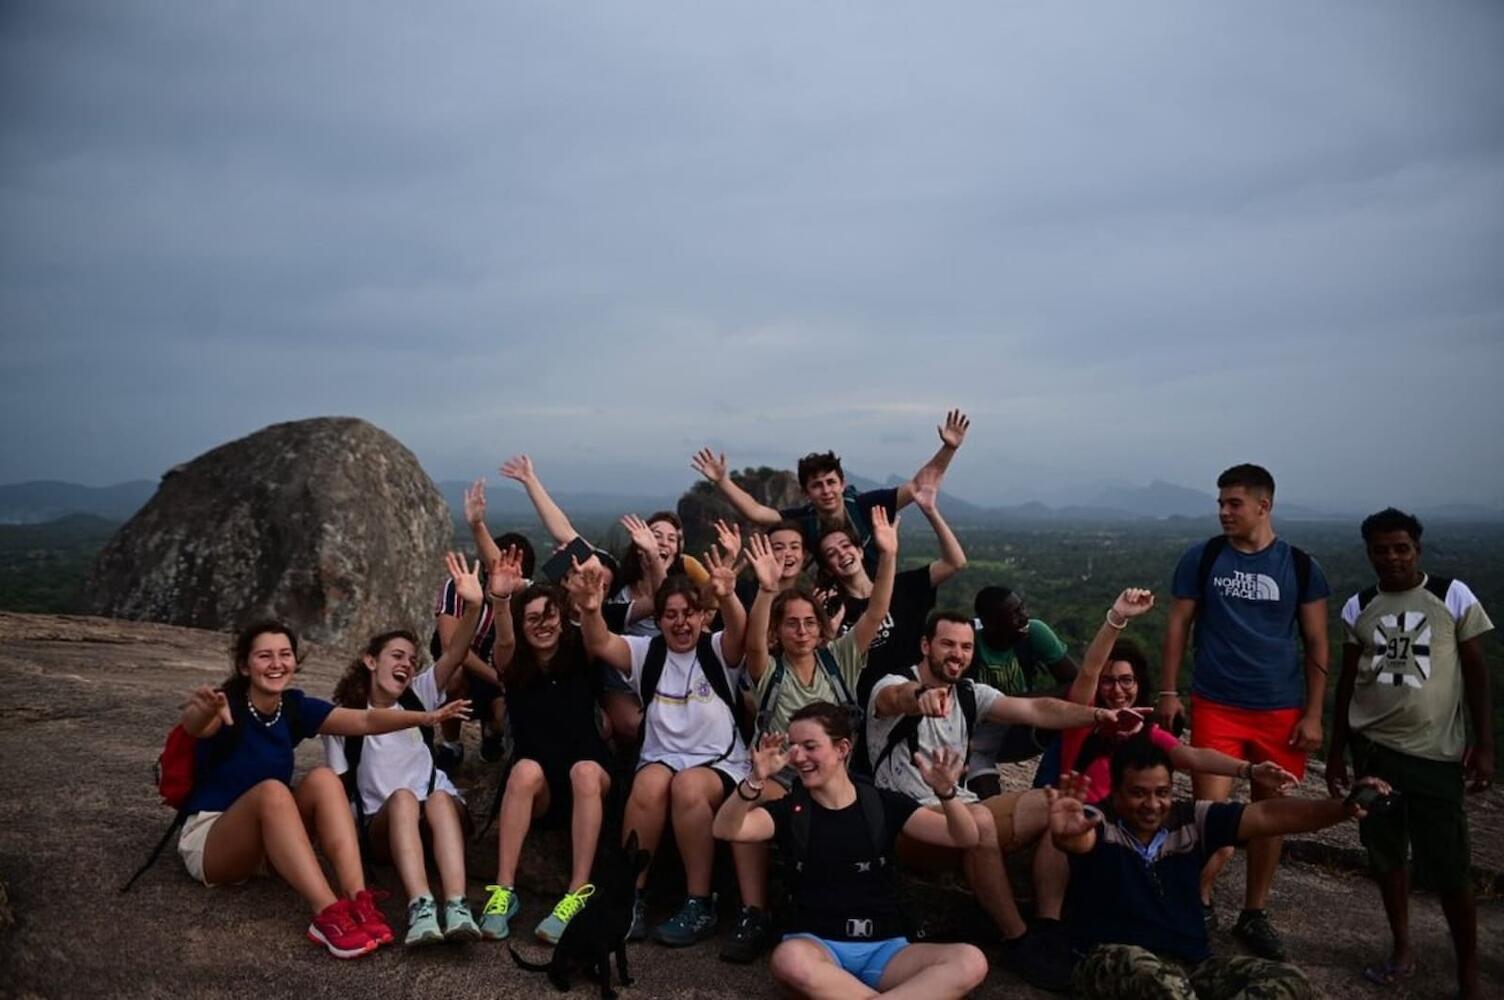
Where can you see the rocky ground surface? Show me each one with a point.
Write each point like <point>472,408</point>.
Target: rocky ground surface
<point>85,704</point>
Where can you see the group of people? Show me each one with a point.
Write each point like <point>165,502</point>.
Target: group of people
<point>795,687</point>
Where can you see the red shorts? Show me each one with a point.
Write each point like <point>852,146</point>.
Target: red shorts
<point>1251,734</point>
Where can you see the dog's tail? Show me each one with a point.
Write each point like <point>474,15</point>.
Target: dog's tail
<point>524,963</point>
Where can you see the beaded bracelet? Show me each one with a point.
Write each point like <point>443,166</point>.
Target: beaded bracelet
<point>1113,624</point>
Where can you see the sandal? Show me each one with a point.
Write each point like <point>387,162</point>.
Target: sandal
<point>1387,973</point>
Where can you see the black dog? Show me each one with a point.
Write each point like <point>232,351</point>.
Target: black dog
<point>601,927</point>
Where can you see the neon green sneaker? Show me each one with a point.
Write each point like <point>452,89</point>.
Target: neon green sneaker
<point>496,918</point>
<point>553,925</point>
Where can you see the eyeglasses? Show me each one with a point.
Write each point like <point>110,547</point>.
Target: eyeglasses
<point>1126,681</point>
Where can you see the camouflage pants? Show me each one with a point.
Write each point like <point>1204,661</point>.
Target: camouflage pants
<point>1127,972</point>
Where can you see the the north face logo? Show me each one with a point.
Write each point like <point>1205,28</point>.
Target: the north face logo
<point>1247,586</point>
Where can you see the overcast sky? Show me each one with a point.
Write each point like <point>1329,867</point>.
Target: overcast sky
<point>1134,241</point>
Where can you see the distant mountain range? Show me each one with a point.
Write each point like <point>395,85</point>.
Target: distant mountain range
<point>47,500</point>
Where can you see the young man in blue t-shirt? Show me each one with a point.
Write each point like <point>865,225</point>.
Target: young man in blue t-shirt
<point>1133,910</point>
<point>1255,601</point>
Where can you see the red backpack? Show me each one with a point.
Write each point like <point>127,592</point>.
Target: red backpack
<point>175,767</point>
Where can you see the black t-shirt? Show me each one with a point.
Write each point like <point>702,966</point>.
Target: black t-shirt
<point>895,647</point>
<point>842,886</point>
<point>553,716</point>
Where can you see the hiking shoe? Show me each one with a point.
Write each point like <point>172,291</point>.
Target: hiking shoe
<point>422,926</point>
<point>335,928</point>
<point>1209,918</point>
<point>496,918</point>
<point>1039,962</point>
<point>749,937</point>
<point>459,925</point>
<point>695,921</point>
<point>639,929</point>
<point>368,916</point>
<point>491,746</point>
<point>564,911</point>
<point>1259,936</point>
<point>448,757</point>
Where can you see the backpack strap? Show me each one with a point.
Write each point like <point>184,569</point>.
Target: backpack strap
<point>652,671</point>
<point>770,697</point>
<point>1438,586</point>
<point>1209,553</point>
<point>966,694</point>
<point>409,700</point>
<point>1367,595</point>
<point>871,801</point>
<point>873,818</point>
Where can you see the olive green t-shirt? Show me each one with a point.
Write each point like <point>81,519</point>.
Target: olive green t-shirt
<point>794,695</point>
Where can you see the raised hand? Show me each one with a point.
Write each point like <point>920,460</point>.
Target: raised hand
<point>211,702</point>
<point>765,565</point>
<point>953,431</point>
<point>771,756</point>
<point>475,502</point>
<point>586,584</point>
<point>466,578</point>
<point>710,465</point>
<point>884,532</point>
<point>941,769</point>
<point>449,710</point>
<point>1068,811</point>
<point>828,597</point>
<point>926,493</point>
<point>642,536</point>
<point>1272,778</point>
<point>722,576</point>
<point>505,575</point>
<point>1133,602</point>
<point>729,537</point>
<point>934,702</point>
<point>520,468</point>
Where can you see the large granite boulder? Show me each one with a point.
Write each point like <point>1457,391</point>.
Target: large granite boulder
<point>702,504</point>
<point>329,524</point>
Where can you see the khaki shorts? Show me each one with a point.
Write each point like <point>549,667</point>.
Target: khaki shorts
<point>932,857</point>
<point>192,840</point>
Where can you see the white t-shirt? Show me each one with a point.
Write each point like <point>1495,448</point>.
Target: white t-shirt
<point>394,760</point>
<point>687,723</point>
<point>898,772</point>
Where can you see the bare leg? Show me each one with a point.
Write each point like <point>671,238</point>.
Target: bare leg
<point>1263,861</point>
<point>526,797</point>
<point>807,970</point>
<point>752,860</point>
<point>1394,890</point>
<point>647,807</point>
<point>589,784</point>
<point>448,831</point>
<point>1216,788</point>
<point>694,796</point>
<point>326,812</point>
<point>926,971</point>
<point>1462,918</point>
<point>263,824</point>
<point>989,880</point>
<point>624,712</point>
<point>394,834</point>
<point>1052,872</point>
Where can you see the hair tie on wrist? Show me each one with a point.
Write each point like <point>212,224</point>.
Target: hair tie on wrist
<point>1113,624</point>
<point>947,798</point>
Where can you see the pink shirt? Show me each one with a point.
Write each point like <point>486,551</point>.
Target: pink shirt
<point>1100,769</point>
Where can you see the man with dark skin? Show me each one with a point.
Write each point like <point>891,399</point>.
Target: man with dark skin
<point>1412,661</point>
<point>1256,601</point>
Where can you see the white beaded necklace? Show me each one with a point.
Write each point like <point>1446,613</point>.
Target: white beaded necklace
<point>268,723</point>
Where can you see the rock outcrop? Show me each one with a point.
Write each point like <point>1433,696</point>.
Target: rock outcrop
<point>329,524</point>
<point>702,504</point>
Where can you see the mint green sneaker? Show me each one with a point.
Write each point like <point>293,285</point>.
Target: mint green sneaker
<point>422,926</point>
<point>496,918</point>
<point>553,925</point>
<point>459,925</point>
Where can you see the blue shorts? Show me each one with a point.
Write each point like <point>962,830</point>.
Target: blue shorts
<point>866,960</point>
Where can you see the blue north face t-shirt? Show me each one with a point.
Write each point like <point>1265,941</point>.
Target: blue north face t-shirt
<point>1247,629</point>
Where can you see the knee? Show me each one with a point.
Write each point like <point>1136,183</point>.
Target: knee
<point>986,829</point>
<point>970,965</point>
<point>440,802</point>
<point>791,965</point>
<point>685,789</point>
<point>322,779</point>
<point>650,787</point>
<point>273,796</point>
<point>526,777</point>
<point>403,801</point>
<point>585,777</point>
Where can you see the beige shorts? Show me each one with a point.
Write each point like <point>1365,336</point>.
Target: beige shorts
<point>192,840</point>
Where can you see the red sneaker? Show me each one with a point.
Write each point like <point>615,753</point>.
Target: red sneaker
<point>368,915</point>
<point>335,928</point>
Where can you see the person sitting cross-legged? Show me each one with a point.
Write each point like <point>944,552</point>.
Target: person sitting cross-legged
<point>1134,909</point>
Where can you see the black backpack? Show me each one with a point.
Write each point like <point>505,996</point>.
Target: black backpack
<point>867,796</point>
<point>351,777</point>
<point>907,730</point>
<point>1214,547</point>
<point>827,662</point>
<point>1437,585</point>
<point>216,760</point>
<point>715,674</point>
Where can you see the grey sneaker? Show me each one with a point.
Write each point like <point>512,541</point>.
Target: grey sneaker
<point>639,929</point>
<point>1259,936</point>
<point>422,926</point>
<point>496,918</point>
<point>695,921</point>
<point>552,926</point>
<point>459,925</point>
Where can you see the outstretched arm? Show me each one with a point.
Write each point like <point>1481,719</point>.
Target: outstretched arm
<point>765,566</point>
<point>1129,605</point>
<point>586,586</point>
<point>654,569</point>
<point>1049,713</point>
<point>555,522</point>
<point>952,557</point>
<point>205,712</point>
<point>738,820</point>
<point>467,586</point>
<point>375,721</point>
<point>475,517</point>
<point>714,468</point>
<point>733,615</point>
<point>885,537</point>
<point>953,825</point>
<point>1276,817</point>
<point>952,434</point>
<point>503,582</point>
